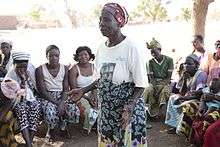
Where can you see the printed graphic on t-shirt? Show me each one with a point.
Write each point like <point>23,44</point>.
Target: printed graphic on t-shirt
<point>107,71</point>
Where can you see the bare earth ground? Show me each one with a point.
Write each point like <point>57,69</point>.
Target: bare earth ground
<point>157,137</point>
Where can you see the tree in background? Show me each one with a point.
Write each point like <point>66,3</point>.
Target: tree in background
<point>200,9</point>
<point>71,13</point>
<point>186,14</point>
<point>151,10</point>
<point>35,13</point>
<point>96,12</point>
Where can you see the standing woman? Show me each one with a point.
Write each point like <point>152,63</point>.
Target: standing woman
<point>121,84</point>
<point>82,75</point>
<point>52,82</point>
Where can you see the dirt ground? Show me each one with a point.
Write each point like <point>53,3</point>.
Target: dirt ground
<point>157,137</point>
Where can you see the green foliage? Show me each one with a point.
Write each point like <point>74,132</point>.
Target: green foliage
<point>186,14</point>
<point>35,14</point>
<point>96,12</point>
<point>151,10</point>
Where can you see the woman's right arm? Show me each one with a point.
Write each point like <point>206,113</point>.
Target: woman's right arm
<point>73,74</point>
<point>77,93</point>
<point>41,87</point>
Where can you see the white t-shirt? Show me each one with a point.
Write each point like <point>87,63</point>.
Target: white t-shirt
<point>121,63</point>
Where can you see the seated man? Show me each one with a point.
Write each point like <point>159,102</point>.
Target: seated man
<point>5,56</point>
<point>160,70</point>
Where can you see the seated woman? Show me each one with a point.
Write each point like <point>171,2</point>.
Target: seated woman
<point>7,123</point>
<point>190,83</point>
<point>208,113</point>
<point>7,120</point>
<point>26,106</point>
<point>52,82</point>
<point>82,75</point>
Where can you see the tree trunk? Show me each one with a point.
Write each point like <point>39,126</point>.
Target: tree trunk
<point>200,9</point>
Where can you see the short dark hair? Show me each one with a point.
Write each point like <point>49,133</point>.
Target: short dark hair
<point>199,37</point>
<point>83,48</point>
<point>50,47</point>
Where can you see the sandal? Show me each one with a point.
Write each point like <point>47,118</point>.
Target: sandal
<point>171,131</point>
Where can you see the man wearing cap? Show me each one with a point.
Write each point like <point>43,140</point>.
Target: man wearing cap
<point>160,70</point>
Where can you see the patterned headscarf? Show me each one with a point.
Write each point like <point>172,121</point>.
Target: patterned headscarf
<point>119,12</point>
<point>153,44</point>
<point>194,57</point>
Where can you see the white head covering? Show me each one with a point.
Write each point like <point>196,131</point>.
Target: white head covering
<point>7,41</point>
<point>18,56</point>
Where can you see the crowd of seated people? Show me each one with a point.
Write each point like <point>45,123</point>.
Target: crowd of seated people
<point>29,96</point>
<point>193,106</point>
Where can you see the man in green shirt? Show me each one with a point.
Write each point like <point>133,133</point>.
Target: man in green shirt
<point>160,69</point>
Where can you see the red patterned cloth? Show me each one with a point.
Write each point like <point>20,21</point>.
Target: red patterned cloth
<point>212,135</point>
<point>118,12</point>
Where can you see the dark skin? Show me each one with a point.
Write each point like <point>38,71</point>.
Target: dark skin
<point>85,69</point>
<point>53,67</point>
<point>110,28</point>
<point>206,97</point>
<point>191,68</point>
<point>21,71</point>
<point>198,45</point>
<point>216,55</point>
<point>156,53</point>
<point>6,50</point>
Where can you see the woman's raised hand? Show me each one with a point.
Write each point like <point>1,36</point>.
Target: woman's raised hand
<point>76,94</point>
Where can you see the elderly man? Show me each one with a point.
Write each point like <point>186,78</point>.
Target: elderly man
<point>6,61</point>
<point>160,70</point>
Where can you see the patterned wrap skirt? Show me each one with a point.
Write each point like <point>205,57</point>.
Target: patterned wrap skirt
<point>51,114</point>
<point>7,129</point>
<point>112,99</point>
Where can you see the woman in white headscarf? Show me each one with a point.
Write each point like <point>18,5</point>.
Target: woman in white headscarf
<point>25,105</point>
